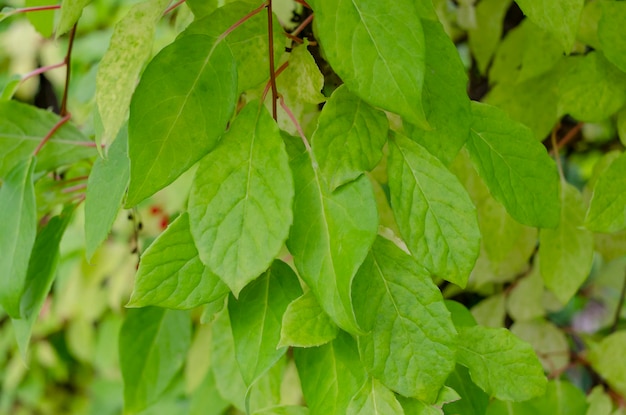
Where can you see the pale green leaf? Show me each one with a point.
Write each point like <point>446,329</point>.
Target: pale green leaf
<point>43,20</point>
<point>434,212</point>
<point>330,237</point>
<point>515,167</point>
<point>605,358</point>
<point>542,53</point>
<point>410,341</point>
<point>473,399</point>
<point>284,410</point>
<point>491,311</point>
<point>525,300</point>
<point>6,12</point>
<point>198,353</point>
<point>71,11</point>
<point>241,198</point>
<point>11,86</point>
<point>206,400</point>
<point>330,374</point>
<point>611,32</point>
<point>128,51</point>
<point>561,17</point>
<point>621,125</point>
<point>202,8</point>
<point>256,318</point>
<point>305,324</point>
<point>384,67</point>
<point>485,36</point>
<point>171,274</point>
<point>179,110</point>
<point>599,401</point>
<point>417,407</point>
<point>18,230</point>
<point>561,398</point>
<point>153,346</point>
<point>461,316</point>
<point>566,252</point>
<point>349,137</point>
<point>374,399</point>
<point>501,364</point>
<point>549,343</point>
<point>607,210</point>
<point>106,188</point>
<point>610,245</point>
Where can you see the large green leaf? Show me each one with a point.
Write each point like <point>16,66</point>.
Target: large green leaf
<point>130,47</point>
<point>604,358</point>
<point>256,318</point>
<point>561,398</point>
<point>607,209</point>
<point>515,167</point>
<point>171,274</point>
<point>330,237</point>
<point>483,39</point>
<point>69,15</point>
<point>241,198</point>
<point>349,137</point>
<point>501,364</point>
<point>566,252</point>
<point>374,398</point>
<point>330,374</point>
<point>179,110</point>
<point>153,345</point>
<point>410,343</point>
<point>305,324</point>
<point>434,212</point>
<point>611,32</point>
<point>384,67</point>
<point>43,21</point>
<point>18,230</point>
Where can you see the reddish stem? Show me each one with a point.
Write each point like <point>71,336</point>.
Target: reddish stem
<point>278,72</point>
<point>304,24</point>
<point>571,134</point>
<point>557,156</point>
<point>53,130</point>
<point>68,59</point>
<point>37,8</point>
<point>270,30</point>
<point>173,6</point>
<point>41,70</point>
<point>241,21</point>
<point>304,3</point>
<point>295,123</point>
<point>73,189</point>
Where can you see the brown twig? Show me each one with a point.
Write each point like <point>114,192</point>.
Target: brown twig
<point>173,6</point>
<point>53,130</point>
<point>68,66</point>
<point>270,33</point>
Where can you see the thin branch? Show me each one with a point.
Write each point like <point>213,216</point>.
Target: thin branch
<point>37,8</point>
<point>72,189</point>
<point>269,84</point>
<point>241,21</point>
<point>53,130</point>
<point>557,156</point>
<point>41,70</point>
<point>270,34</point>
<point>620,304</point>
<point>304,24</point>
<point>173,6</point>
<point>68,61</point>
<point>295,123</point>
<point>571,134</point>
<point>304,3</point>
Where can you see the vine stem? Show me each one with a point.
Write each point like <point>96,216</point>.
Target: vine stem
<point>173,6</point>
<point>37,8</point>
<point>41,70</point>
<point>557,156</point>
<point>53,130</point>
<point>620,304</point>
<point>68,67</point>
<point>241,21</point>
<point>302,25</point>
<point>571,134</point>
<point>270,32</point>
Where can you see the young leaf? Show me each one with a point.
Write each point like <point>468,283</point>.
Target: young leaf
<point>611,32</point>
<point>349,137</point>
<point>18,229</point>
<point>130,47</point>
<point>603,358</point>
<point>515,167</point>
<point>607,209</point>
<point>410,343</point>
<point>153,345</point>
<point>484,38</point>
<point>548,340</point>
<point>560,17</point>
<point>171,274</point>
<point>384,67</point>
<point>305,324</point>
<point>374,398</point>
<point>106,188</point>
<point>330,237</point>
<point>501,364</point>
<point>11,86</point>
<point>434,212</point>
<point>256,318</point>
<point>179,110</point>
<point>417,407</point>
<point>241,198</point>
<point>69,15</point>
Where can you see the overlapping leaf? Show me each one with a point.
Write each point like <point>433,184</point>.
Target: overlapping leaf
<point>305,324</point>
<point>603,357</point>
<point>611,32</point>
<point>483,39</point>
<point>607,210</point>
<point>69,15</point>
<point>374,398</point>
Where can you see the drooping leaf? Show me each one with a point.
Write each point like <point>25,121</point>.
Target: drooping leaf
<point>607,209</point>
<point>120,66</point>
<point>515,167</point>
<point>106,188</point>
<point>611,30</point>
<point>434,213</point>
<point>256,318</point>
<point>18,229</point>
<point>241,198</point>
<point>483,39</point>
<point>501,364</point>
<point>305,324</point>
<point>604,359</point>
<point>152,348</point>
<point>179,110</point>
<point>330,237</point>
<point>410,341</point>
<point>383,67</point>
<point>171,274</point>
<point>69,15</point>
<point>349,137</point>
<point>374,398</point>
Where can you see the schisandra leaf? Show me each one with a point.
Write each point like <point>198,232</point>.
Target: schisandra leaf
<point>473,399</point>
<point>256,317</point>
<point>483,39</point>
<point>43,20</point>
<point>604,359</point>
<point>180,108</point>
<point>69,15</point>
<point>410,343</point>
<point>611,32</point>
<point>374,398</point>
<point>305,324</point>
<point>330,237</point>
<point>434,212</point>
<point>241,198</point>
<point>548,341</point>
<point>153,345</point>
<point>607,209</point>
<point>18,230</point>
<point>384,67</point>
<point>501,364</point>
<point>515,167</point>
<point>171,274</point>
<point>349,137</point>
<point>11,86</point>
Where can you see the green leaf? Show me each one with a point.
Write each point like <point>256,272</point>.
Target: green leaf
<point>434,213</point>
<point>202,8</point>
<point>171,274</point>
<point>153,345</point>
<point>599,401</point>
<point>461,316</point>
<point>416,407</point>
<point>561,398</point>
<point>106,188</point>
<point>384,67</point>
<point>5,13</point>
<point>485,36</point>
<point>561,17</point>
<point>256,319</point>
<point>206,400</point>
<point>13,83</point>
<point>611,32</point>
<point>607,209</point>
<point>22,127</point>
<point>604,358</point>
<point>69,15</point>
<point>515,167</point>
<point>284,410</point>
<point>241,198</point>
<point>349,137</point>
<point>491,311</point>
<point>525,300</point>
<point>178,112</point>
<point>473,399</point>
<point>128,51</point>
<point>566,252</point>
<point>501,364</point>
<point>330,237</point>
<point>18,230</point>
<point>548,340</point>
<point>305,324</point>
<point>374,398</point>
<point>43,20</point>
<point>410,344</point>
<point>330,374</point>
